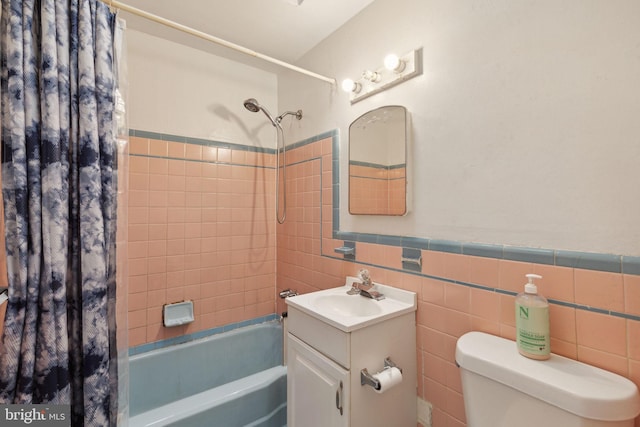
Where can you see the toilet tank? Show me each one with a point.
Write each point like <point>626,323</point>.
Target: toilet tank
<point>501,388</point>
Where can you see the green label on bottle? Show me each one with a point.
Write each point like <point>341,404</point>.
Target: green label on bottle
<point>532,329</point>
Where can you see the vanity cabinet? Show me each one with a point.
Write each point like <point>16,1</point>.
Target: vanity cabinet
<point>323,372</point>
<point>319,396</point>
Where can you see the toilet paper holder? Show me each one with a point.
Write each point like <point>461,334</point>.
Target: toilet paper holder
<point>367,379</point>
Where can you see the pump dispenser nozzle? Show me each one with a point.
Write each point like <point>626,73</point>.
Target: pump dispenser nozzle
<point>530,287</point>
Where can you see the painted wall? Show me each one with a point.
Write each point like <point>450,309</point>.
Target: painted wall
<point>524,121</point>
<point>178,90</point>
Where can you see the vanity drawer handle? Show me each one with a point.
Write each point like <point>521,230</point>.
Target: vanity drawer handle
<point>339,398</point>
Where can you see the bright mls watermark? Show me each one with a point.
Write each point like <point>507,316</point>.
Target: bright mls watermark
<point>35,415</point>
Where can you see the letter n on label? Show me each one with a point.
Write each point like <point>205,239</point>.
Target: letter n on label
<point>524,312</point>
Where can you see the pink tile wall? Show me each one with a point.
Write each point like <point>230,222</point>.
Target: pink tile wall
<point>447,310</point>
<point>301,265</point>
<point>201,228</point>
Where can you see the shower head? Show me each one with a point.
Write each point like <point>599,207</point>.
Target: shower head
<point>252,105</point>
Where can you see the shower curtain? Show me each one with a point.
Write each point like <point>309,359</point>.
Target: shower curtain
<point>59,186</point>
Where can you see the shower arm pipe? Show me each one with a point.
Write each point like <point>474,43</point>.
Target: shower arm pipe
<point>213,39</point>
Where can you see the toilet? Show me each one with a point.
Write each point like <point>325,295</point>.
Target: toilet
<point>501,388</point>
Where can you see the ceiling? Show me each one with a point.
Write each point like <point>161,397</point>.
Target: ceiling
<point>277,28</point>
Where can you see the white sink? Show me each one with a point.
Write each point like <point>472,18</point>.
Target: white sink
<point>345,305</point>
<point>350,312</point>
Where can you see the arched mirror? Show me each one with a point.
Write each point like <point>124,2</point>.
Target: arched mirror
<point>378,162</point>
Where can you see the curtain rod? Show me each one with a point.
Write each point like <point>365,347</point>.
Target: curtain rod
<point>217,40</point>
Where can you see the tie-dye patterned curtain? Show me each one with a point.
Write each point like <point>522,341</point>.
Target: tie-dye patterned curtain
<point>59,193</point>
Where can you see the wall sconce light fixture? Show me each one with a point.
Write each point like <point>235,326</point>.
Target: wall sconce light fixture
<point>396,70</point>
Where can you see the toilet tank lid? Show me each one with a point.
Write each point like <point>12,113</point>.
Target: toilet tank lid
<point>576,387</point>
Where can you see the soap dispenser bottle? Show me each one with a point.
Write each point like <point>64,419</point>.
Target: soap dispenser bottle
<point>532,322</point>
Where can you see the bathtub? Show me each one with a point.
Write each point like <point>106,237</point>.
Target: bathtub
<point>235,378</point>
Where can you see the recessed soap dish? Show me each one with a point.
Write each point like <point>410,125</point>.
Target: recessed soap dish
<point>178,314</point>
<point>345,250</point>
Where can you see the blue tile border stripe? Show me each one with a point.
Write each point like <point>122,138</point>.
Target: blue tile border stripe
<point>200,334</point>
<point>483,250</point>
<point>329,134</point>
<point>589,261</point>
<point>448,246</point>
<point>537,256</point>
<point>631,265</point>
<point>148,156</point>
<point>584,260</point>
<point>199,141</point>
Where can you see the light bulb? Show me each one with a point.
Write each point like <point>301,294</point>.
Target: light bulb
<point>372,76</point>
<point>393,63</point>
<point>349,85</point>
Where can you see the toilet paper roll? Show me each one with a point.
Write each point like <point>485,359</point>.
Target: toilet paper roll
<point>388,378</point>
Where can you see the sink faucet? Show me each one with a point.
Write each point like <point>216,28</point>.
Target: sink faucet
<point>365,287</point>
<point>366,283</point>
<point>371,294</point>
